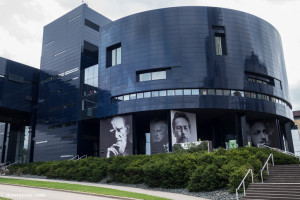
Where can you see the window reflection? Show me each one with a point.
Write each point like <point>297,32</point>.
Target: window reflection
<point>200,92</point>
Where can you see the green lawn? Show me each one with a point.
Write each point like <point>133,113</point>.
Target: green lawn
<point>80,188</point>
<point>2,198</point>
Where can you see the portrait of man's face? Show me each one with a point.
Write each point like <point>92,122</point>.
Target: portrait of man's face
<point>182,130</point>
<point>158,131</point>
<point>259,134</point>
<point>121,131</point>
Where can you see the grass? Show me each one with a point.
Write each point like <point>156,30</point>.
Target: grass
<point>80,188</point>
<point>2,198</point>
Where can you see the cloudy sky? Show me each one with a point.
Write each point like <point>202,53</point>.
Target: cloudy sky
<point>22,21</point>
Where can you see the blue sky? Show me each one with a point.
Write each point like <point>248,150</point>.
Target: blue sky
<point>21,25</point>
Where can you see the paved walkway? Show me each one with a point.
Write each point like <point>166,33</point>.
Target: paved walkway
<point>169,195</point>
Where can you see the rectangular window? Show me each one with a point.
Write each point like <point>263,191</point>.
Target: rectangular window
<point>187,92</point>
<point>171,93</point>
<point>120,98</point>
<point>253,95</point>
<point>91,76</point>
<point>145,77</point>
<point>226,92</point>
<point>148,76</point>
<point>159,75</point>
<point>154,94</point>
<point>211,92</point>
<point>113,55</point>
<point>203,91</point>
<point>219,92</point>
<point>139,95</point>
<point>126,97</point>
<point>91,51</point>
<point>247,94</point>
<point>178,92</point>
<point>220,42</point>
<point>132,96</point>
<point>91,24</point>
<point>163,93</point>
<point>147,94</point>
<point>195,92</point>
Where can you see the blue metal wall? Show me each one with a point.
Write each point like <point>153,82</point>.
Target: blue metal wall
<point>18,85</point>
<point>59,104</point>
<point>182,39</point>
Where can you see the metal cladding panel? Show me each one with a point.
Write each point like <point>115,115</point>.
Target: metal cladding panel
<point>59,90</point>
<point>183,39</point>
<point>18,84</point>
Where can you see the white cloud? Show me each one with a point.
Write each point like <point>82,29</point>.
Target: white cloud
<point>27,51</point>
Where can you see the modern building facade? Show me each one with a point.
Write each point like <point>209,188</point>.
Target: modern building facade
<point>144,82</point>
<point>296,133</point>
<point>18,97</point>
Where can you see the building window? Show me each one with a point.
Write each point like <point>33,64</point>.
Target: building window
<point>199,92</point>
<point>91,76</point>
<point>220,42</point>
<point>113,55</point>
<point>91,24</point>
<point>151,76</point>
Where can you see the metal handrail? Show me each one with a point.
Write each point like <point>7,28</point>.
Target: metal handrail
<point>82,157</point>
<point>243,182</point>
<point>279,150</point>
<point>4,164</point>
<point>74,158</point>
<point>13,163</point>
<point>266,164</point>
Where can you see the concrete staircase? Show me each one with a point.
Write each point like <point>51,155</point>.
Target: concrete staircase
<point>282,183</point>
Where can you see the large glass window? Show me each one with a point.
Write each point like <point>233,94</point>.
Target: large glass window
<point>158,75</point>
<point>113,55</point>
<point>91,76</point>
<point>220,43</point>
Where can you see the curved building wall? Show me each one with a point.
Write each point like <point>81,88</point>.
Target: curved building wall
<point>181,41</point>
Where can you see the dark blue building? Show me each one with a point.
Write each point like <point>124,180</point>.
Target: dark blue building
<point>144,82</point>
<point>18,96</point>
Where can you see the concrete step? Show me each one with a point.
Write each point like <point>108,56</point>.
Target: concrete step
<point>277,191</point>
<point>282,183</point>
<point>269,198</point>
<point>283,195</point>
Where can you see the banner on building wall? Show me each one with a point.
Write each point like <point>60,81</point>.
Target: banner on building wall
<point>159,136</point>
<point>116,136</point>
<point>184,127</point>
<point>263,132</point>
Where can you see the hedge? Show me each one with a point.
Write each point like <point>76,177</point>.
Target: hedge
<point>196,169</point>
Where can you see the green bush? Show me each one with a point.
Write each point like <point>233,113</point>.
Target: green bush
<point>194,168</point>
<point>205,178</point>
<point>237,176</point>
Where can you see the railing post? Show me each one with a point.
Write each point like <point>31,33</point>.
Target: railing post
<point>244,187</point>
<point>252,176</point>
<point>261,175</point>
<point>236,194</point>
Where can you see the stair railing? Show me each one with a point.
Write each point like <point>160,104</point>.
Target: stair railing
<point>266,165</point>
<point>279,150</point>
<point>82,157</point>
<point>74,158</point>
<point>243,183</point>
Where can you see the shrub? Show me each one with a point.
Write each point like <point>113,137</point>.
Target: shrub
<point>237,176</point>
<point>134,172</point>
<point>194,169</point>
<point>205,178</point>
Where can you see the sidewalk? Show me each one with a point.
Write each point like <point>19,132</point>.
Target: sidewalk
<point>169,195</point>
